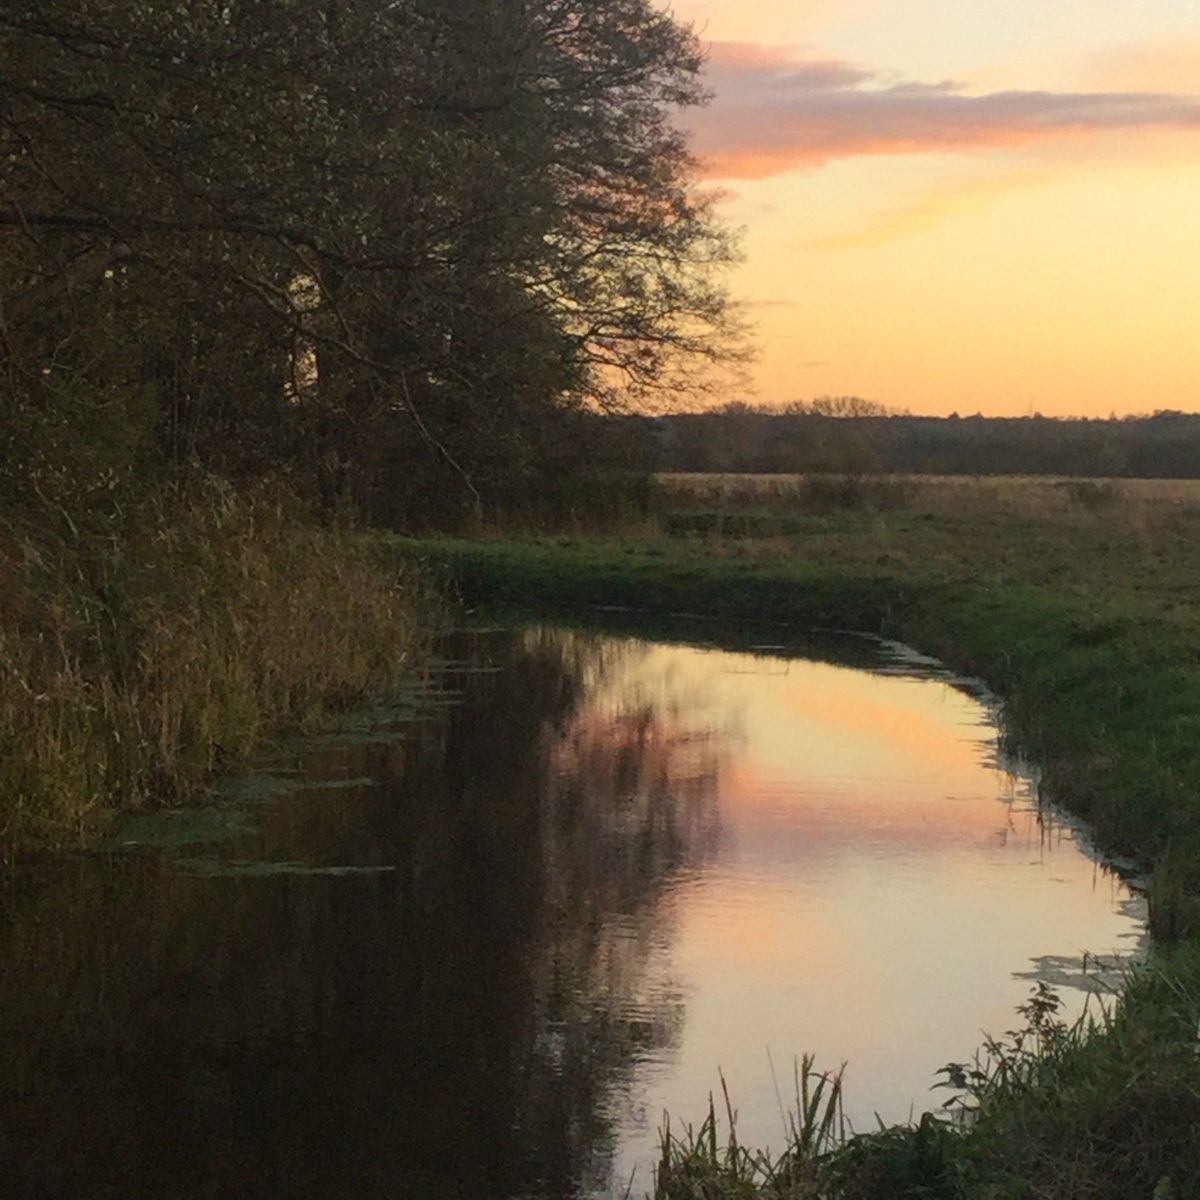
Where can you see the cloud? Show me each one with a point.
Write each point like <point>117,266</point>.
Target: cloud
<point>777,109</point>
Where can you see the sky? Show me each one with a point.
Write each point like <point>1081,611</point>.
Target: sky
<point>961,205</point>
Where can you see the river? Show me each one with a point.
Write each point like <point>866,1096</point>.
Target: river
<point>475,943</point>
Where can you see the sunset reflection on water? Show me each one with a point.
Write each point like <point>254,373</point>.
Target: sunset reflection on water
<point>478,947</point>
<point>880,883</point>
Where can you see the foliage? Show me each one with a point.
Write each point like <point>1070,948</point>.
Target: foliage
<point>1095,1111</point>
<point>261,259</point>
<point>849,435</point>
<point>373,242</point>
<point>700,1164</point>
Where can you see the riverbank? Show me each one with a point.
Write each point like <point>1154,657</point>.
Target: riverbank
<point>1083,620</point>
<point>150,644</point>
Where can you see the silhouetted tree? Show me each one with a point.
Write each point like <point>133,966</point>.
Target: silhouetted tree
<point>315,228</point>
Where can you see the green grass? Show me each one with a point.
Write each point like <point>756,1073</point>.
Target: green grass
<point>1081,613</point>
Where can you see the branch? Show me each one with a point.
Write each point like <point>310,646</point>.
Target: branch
<point>84,270</point>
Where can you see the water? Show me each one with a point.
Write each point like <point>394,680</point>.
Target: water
<point>475,944</point>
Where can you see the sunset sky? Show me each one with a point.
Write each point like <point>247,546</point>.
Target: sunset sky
<point>963,205</point>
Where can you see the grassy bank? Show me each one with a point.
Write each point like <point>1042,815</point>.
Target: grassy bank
<point>1080,612</point>
<point>149,643</point>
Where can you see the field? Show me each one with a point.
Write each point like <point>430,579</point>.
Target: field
<point>1015,493</point>
<point>1115,545</point>
<point>1077,600</point>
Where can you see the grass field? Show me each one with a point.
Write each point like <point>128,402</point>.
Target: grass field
<point>1079,602</point>
<point>1114,544</point>
<point>937,493</point>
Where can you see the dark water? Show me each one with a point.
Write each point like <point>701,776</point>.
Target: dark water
<point>473,945</point>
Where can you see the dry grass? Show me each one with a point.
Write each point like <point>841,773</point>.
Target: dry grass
<point>1103,542</point>
<point>938,495</point>
<point>138,658</point>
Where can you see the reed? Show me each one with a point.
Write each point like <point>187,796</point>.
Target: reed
<point>705,1164</point>
<point>142,650</point>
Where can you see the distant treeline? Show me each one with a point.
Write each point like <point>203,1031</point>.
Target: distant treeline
<point>845,437</point>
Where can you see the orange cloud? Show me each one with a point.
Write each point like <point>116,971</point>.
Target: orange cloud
<point>774,112</point>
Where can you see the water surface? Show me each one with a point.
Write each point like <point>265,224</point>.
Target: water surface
<point>474,944</point>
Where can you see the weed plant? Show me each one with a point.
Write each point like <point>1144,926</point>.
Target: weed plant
<point>1045,1110</point>
<point>700,1163</point>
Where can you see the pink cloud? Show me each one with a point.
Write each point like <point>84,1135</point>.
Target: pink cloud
<point>776,109</point>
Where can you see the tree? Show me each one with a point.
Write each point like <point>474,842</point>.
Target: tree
<point>322,227</point>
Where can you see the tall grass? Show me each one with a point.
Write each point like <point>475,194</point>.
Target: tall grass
<point>140,652</point>
<point>927,495</point>
<point>703,1163</point>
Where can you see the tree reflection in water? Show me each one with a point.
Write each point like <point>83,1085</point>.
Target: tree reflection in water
<point>461,1021</point>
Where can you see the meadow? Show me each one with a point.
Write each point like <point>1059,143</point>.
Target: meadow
<point>1077,601</point>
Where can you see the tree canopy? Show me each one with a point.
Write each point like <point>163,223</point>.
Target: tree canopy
<point>390,245</point>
